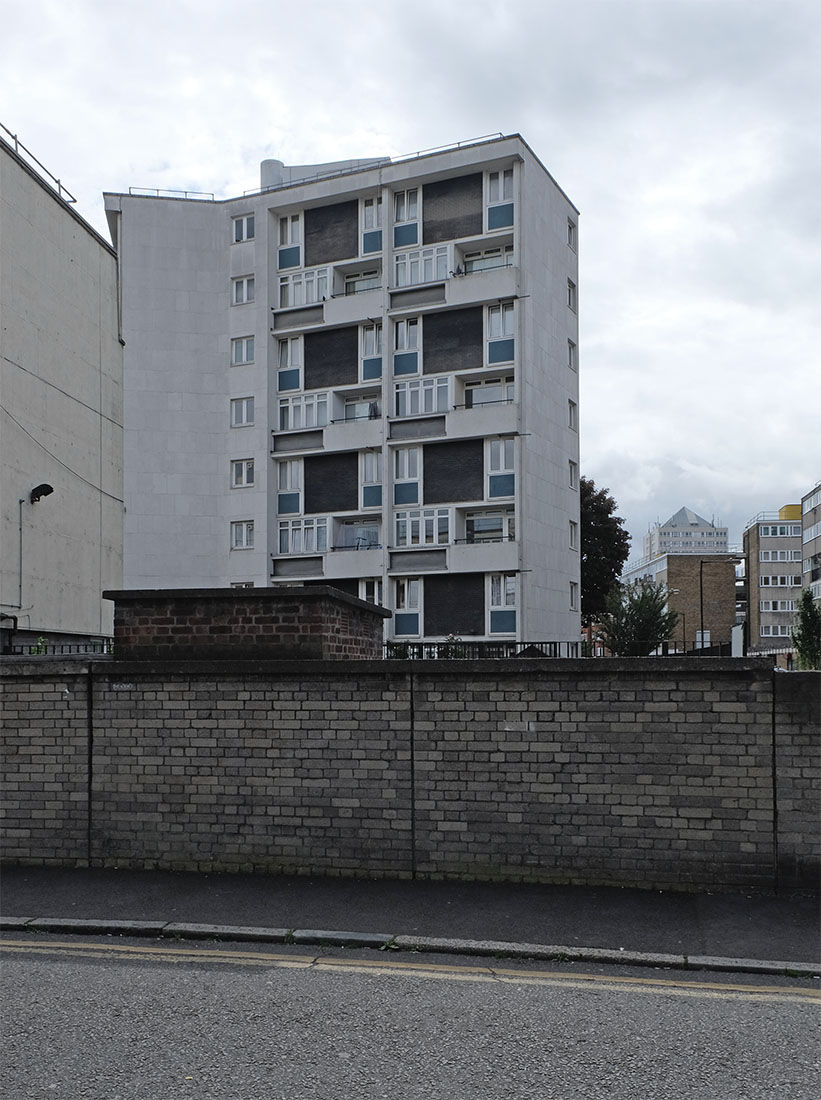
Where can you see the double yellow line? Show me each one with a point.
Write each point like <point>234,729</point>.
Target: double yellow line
<point>427,970</point>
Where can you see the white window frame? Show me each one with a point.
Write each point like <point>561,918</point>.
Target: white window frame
<point>242,584</point>
<point>242,228</point>
<point>357,282</point>
<point>779,581</point>
<point>303,411</point>
<point>573,474</point>
<point>572,296</point>
<point>573,534</point>
<point>408,594</point>
<point>507,525</point>
<point>482,386</point>
<point>303,536</point>
<point>242,351</point>
<point>500,187</point>
<point>371,340</point>
<point>371,213</point>
<point>572,415</point>
<point>289,231</point>
<point>424,396</point>
<point>242,534</point>
<point>304,288</point>
<point>485,259</point>
<point>242,412</point>
<point>501,321</point>
<point>775,630</point>
<point>242,473</point>
<point>406,206</point>
<point>370,405</point>
<point>289,475</point>
<point>572,355</point>
<point>574,596</point>
<point>242,290</point>
<point>422,527</point>
<point>407,464</point>
<point>289,353</point>
<point>371,467</point>
<point>502,455</point>
<point>370,589</point>
<point>421,265</point>
<point>572,234</point>
<point>406,334</point>
<point>779,530</point>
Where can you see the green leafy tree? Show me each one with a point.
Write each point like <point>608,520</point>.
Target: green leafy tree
<point>806,637</point>
<point>636,620</point>
<point>604,548</point>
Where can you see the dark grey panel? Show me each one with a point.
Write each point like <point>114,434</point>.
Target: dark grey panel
<point>298,567</point>
<point>417,429</point>
<point>331,358</point>
<point>331,483</point>
<point>455,604</point>
<point>331,233</point>
<point>452,340</point>
<point>351,587</point>
<point>425,295</point>
<point>297,441</point>
<point>453,471</point>
<point>452,209</point>
<point>299,318</point>
<point>415,561</point>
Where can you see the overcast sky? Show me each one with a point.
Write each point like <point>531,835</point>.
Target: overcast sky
<point>688,133</point>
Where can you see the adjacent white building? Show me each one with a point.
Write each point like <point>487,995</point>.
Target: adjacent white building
<point>364,374</point>
<point>61,494</point>
<point>685,532</point>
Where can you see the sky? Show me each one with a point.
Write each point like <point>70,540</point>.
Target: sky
<point>687,132</point>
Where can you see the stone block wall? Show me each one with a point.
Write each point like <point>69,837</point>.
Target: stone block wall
<point>656,773</point>
<point>317,623</point>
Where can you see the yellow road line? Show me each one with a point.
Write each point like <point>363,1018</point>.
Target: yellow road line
<point>395,967</point>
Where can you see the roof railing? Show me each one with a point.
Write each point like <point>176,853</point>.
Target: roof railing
<point>29,157</point>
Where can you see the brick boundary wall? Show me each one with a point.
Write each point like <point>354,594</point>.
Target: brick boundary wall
<point>318,622</point>
<point>673,773</point>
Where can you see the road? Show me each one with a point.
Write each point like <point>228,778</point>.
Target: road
<point>113,1019</point>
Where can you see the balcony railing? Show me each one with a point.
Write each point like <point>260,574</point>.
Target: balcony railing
<point>456,650</point>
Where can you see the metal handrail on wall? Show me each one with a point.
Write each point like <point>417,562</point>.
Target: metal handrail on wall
<point>27,155</point>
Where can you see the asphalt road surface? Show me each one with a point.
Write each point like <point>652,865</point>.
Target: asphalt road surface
<point>114,1019</point>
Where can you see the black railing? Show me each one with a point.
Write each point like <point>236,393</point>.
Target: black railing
<point>456,649</point>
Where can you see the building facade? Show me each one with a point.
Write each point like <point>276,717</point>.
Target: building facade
<point>811,541</point>
<point>772,544</point>
<point>685,533</point>
<point>363,375</point>
<point>61,494</point>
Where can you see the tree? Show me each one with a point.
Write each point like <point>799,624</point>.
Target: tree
<point>604,548</point>
<point>636,620</point>
<point>806,636</point>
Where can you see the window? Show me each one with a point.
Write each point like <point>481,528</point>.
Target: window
<point>244,228</point>
<point>574,535</point>
<point>574,596</point>
<point>243,290</point>
<point>776,605</point>
<point>501,345</point>
<point>242,412</point>
<point>358,281</point>
<point>405,216</point>
<point>406,346</point>
<point>372,225</point>
<point>780,582</point>
<point>289,360</point>
<point>500,199</point>
<point>423,527</point>
<point>490,526</point>
<point>573,475</point>
<point>371,479</point>
<point>571,295</point>
<point>358,534</point>
<point>779,530</point>
<point>370,589</point>
<point>367,407</point>
<point>242,472</point>
<point>242,535</point>
<point>303,288</point>
<point>423,265</point>
<point>775,630</point>
<point>303,536</point>
<point>407,597</point>
<point>289,483</point>
<point>572,416</point>
<point>572,355</point>
<point>371,345</point>
<point>289,230</point>
<point>422,396</point>
<point>571,234</point>
<point>304,411</point>
<point>242,350</point>
<point>702,639</point>
<point>406,469</point>
<point>488,258</point>
<point>501,478</point>
<point>489,391</point>
<point>502,603</point>
<point>779,555</point>
<point>242,584</point>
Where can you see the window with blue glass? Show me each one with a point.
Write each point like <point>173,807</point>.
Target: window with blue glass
<point>500,209</point>
<point>407,599</point>
<point>289,254</point>
<point>501,475</point>
<point>502,603</point>
<point>406,467</point>
<point>501,342</point>
<point>371,225</point>
<point>406,346</point>
<point>289,361</point>
<point>289,484</point>
<point>406,218</point>
<point>372,479</point>
<point>371,351</point>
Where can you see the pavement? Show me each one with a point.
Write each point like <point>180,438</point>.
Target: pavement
<point>704,931</point>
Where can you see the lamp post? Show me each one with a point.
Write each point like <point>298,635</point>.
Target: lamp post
<point>677,592</point>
